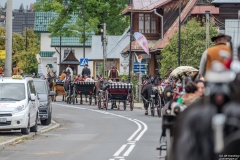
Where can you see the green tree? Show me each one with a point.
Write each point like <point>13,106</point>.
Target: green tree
<point>26,60</point>
<point>193,44</point>
<point>92,13</point>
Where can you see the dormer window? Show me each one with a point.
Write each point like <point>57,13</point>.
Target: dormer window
<point>147,23</point>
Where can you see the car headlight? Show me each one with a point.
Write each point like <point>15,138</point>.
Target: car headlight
<point>19,108</point>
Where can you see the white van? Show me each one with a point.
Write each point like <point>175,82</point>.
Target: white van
<point>18,104</point>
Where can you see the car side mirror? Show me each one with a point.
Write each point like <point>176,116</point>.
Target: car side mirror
<point>51,93</point>
<point>32,97</point>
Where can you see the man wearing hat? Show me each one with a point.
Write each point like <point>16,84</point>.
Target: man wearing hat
<point>219,53</point>
<point>86,71</point>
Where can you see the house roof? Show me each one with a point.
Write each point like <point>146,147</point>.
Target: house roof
<point>46,53</point>
<point>70,42</point>
<point>174,27</point>
<point>202,9</point>
<point>225,1</point>
<point>70,58</point>
<point>42,19</point>
<point>146,5</point>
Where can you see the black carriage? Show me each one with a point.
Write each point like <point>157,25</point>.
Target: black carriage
<point>83,88</point>
<point>118,92</point>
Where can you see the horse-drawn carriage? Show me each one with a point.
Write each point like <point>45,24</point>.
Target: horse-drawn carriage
<point>83,88</point>
<point>116,92</point>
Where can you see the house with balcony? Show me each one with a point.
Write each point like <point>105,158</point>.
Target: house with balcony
<point>157,20</point>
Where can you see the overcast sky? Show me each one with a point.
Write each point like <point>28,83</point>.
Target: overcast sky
<point>17,3</point>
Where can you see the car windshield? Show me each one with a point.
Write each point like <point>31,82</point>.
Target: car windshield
<point>12,91</point>
<point>40,87</point>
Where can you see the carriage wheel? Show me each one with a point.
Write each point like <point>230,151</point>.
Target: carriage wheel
<point>74,95</point>
<point>106,100</point>
<point>152,107</point>
<point>99,101</point>
<point>90,99</point>
<point>131,101</point>
<point>124,105</point>
<point>95,99</point>
<point>159,108</point>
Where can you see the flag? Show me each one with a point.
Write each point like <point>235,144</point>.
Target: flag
<point>142,41</point>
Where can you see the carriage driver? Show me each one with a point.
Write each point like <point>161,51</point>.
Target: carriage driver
<point>86,71</point>
<point>113,74</point>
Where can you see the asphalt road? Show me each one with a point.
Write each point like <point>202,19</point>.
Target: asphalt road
<point>86,133</point>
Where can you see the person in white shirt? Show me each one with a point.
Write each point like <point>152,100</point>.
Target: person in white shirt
<point>69,69</point>
<point>89,79</point>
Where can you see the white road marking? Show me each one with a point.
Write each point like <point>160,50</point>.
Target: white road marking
<point>120,150</point>
<point>128,151</point>
<point>134,134</point>
<point>130,141</point>
<point>145,129</point>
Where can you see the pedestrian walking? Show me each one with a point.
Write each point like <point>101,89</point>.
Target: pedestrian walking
<point>86,71</point>
<point>219,53</point>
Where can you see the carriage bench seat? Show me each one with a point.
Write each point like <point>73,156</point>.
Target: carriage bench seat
<point>85,88</point>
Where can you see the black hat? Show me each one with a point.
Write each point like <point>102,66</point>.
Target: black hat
<point>220,35</point>
<point>86,64</point>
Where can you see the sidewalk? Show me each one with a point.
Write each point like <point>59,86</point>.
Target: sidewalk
<point>138,105</point>
<point>12,138</point>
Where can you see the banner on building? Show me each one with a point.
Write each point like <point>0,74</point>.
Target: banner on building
<point>142,41</point>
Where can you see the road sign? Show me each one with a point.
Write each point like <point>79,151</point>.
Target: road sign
<point>83,61</point>
<point>2,54</point>
<point>139,67</point>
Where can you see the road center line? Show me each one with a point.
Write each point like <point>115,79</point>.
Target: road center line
<point>120,150</point>
<point>130,141</point>
<point>128,151</point>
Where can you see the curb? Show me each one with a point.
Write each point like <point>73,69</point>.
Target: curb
<point>31,135</point>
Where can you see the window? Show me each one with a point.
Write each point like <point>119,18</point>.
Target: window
<point>147,23</point>
<point>99,68</point>
<point>8,91</point>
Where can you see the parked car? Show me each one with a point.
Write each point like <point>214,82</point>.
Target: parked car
<point>18,104</point>
<point>45,105</point>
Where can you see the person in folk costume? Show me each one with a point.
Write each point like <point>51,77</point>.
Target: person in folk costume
<point>215,53</point>
<point>69,69</point>
<point>15,70</point>
<point>113,74</point>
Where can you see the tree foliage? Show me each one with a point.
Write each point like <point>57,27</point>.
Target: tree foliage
<point>91,13</point>
<point>26,60</point>
<point>193,44</point>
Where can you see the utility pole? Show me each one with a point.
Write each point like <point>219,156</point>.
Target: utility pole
<point>179,32</point>
<point>207,28</point>
<point>104,40</point>
<point>8,61</point>
<point>26,25</point>
<point>130,49</point>
<point>84,29</point>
